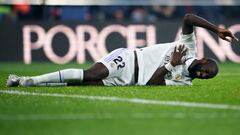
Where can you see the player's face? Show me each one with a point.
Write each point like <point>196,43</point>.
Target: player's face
<point>202,70</point>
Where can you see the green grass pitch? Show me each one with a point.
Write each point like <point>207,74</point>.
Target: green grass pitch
<point>40,115</point>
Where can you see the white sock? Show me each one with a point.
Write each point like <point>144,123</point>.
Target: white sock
<point>61,76</point>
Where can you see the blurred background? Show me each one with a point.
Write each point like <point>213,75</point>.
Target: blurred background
<point>62,31</point>
<point>119,13</point>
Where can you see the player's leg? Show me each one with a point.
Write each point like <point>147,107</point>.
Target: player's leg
<point>61,76</point>
<point>106,67</point>
<point>97,72</point>
<point>93,75</point>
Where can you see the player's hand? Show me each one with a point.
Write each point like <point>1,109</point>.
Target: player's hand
<point>177,55</point>
<point>224,34</point>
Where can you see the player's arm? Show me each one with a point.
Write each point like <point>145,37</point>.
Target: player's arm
<point>176,59</point>
<point>191,20</point>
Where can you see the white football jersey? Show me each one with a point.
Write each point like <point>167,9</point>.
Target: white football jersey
<point>153,57</point>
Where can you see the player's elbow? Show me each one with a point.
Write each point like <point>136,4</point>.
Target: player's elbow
<point>187,18</point>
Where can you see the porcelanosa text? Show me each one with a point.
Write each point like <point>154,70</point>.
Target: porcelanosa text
<point>96,43</point>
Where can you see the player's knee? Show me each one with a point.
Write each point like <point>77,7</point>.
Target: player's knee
<point>88,75</point>
<point>93,75</point>
<point>97,72</point>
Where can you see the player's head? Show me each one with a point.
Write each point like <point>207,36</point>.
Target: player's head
<point>204,68</point>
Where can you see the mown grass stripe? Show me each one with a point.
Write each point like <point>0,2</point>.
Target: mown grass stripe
<point>130,100</point>
<point>135,115</point>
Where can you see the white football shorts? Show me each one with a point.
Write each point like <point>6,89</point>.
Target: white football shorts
<point>120,64</point>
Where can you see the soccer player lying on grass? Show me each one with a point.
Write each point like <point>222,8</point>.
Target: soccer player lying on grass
<point>162,64</point>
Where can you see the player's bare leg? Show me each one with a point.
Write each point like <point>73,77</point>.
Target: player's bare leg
<point>92,76</point>
<point>97,72</point>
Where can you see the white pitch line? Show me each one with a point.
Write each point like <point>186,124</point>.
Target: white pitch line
<point>130,100</point>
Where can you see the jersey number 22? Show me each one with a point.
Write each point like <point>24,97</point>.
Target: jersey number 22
<point>118,61</point>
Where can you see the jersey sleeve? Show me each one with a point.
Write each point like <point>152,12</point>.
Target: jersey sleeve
<point>176,83</point>
<point>189,40</point>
